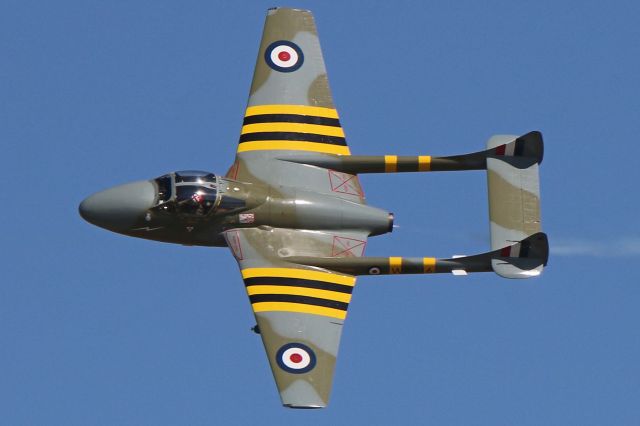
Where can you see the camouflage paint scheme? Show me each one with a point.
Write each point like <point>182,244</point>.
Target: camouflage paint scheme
<point>302,92</point>
<point>292,211</point>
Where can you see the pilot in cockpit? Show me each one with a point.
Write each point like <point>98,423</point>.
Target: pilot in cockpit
<point>195,192</point>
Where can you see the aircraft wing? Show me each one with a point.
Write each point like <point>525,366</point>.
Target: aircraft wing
<point>300,310</point>
<point>290,112</point>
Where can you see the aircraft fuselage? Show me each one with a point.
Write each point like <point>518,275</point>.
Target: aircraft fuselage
<point>196,208</point>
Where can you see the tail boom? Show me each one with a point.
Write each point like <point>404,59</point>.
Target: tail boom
<point>524,259</point>
<point>523,152</point>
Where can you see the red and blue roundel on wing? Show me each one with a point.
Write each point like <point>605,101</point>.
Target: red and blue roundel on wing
<point>284,56</point>
<point>296,358</point>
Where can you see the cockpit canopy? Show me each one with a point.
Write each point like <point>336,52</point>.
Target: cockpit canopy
<point>194,193</point>
<point>190,192</point>
<point>195,176</point>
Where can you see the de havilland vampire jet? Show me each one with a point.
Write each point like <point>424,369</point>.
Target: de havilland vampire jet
<point>292,211</point>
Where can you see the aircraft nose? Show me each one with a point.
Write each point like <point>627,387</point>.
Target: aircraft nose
<point>120,207</point>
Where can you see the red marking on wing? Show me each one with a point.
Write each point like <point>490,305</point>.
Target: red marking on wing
<point>345,183</point>
<point>284,56</point>
<point>347,247</point>
<point>233,239</point>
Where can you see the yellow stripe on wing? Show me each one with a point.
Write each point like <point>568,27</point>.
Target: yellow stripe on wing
<point>293,127</point>
<point>292,109</point>
<point>300,308</point>
<point>299,273</point>
<point>299,291</point>
<point>293,146</point>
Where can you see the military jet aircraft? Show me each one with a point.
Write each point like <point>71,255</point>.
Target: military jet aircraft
<point>292,211</point>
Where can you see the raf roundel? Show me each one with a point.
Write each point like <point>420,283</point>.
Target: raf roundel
<point>296,358</point>
<point>284,56</point>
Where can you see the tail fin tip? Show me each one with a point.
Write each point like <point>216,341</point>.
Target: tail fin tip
<point>525,259</point>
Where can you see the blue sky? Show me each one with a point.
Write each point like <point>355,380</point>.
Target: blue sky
<point>97,328</point>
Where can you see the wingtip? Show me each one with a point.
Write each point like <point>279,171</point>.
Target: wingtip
<point>303,407</point>
<point>274,9</point>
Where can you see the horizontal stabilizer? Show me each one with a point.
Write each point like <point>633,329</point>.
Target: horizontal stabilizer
<point>514,187</point>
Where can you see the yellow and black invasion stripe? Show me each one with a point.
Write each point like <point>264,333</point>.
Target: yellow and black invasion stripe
<point>292,127</point>
<point>298,290</point>
<point>409,265</point>
<point>394,163</point>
